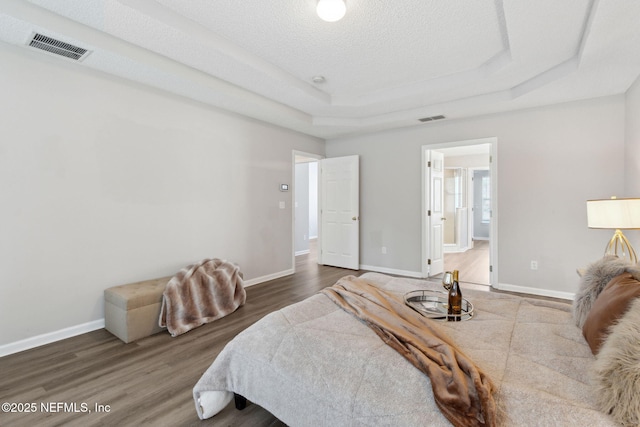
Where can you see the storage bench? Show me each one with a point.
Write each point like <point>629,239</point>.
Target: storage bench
<point>132,311</point>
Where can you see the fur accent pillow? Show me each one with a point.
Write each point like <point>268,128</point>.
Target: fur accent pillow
<point>595,278</point>
<point>616,373</point>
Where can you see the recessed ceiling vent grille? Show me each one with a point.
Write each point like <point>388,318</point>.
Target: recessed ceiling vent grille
<point>432,118</point>
<point>57,47</point>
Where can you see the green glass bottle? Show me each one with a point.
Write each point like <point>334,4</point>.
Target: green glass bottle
<point>455,300</point>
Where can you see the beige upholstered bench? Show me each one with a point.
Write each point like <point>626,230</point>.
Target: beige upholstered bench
<point>132,311</point>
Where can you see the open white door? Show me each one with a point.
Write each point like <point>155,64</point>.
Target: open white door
<point>340,212</point>
<point>435,211</point>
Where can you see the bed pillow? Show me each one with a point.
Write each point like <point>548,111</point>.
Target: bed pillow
<point>612,303</point>
<point>595,278</point>
<point>616,373</point>
<point>210,402</point>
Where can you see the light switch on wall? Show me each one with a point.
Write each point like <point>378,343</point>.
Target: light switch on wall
<point>282,205</point>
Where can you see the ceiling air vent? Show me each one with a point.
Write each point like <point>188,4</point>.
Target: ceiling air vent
<point>432,118</point>
<point>57,47</point>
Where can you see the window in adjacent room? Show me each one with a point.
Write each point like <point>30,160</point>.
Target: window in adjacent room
<point>486,199</point>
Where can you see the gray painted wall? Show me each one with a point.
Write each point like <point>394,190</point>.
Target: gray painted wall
<point>106,182</point>
<point>550,161</point>
<point>302,208</point>
<point>313,200</point>
<point>632,154</point>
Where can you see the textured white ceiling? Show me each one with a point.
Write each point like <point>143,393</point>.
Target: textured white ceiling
<point>386,64</point>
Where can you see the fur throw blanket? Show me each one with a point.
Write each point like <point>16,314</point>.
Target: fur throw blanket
<point>616,371</point>
<point>201,293</point>
<point>461,390</point>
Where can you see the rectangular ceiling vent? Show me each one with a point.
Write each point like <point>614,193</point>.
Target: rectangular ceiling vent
<point>57,47</point>
<point>432,118</point>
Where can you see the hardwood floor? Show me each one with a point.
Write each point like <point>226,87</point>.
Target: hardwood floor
<point>473,264</point>
<point>150,381</point>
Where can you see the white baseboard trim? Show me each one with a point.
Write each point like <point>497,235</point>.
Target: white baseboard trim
<point>48,338</point>
<point>407,273</point>
<point>303,252</point>
<point>455,250</point>
<point>535,291</point>
<point>72,331</point>
<point>268,277</point>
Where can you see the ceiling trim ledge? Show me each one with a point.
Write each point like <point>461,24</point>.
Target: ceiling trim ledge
<point>290,117</point>
<point>174,20</point>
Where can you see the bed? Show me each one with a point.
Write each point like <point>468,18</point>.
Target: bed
<point>313,364</point>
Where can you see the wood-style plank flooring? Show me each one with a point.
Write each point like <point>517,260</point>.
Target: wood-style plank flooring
<point>150,381</point>
<point>473,264</point>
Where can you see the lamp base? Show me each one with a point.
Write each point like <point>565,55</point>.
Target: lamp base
<point>619,246</point>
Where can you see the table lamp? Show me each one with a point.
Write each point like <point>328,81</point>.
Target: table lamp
<point>615,214</point>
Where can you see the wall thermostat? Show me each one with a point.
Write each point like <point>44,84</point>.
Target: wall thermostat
<point>284,187</point>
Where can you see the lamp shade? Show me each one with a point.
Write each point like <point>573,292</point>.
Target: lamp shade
<point>613,213</point>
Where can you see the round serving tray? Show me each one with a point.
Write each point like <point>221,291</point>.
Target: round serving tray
<point>434,304</point>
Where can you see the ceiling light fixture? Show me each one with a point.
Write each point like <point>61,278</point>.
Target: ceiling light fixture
<point>331,10</point>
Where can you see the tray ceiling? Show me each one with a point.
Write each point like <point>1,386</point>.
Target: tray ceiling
<point>385,64</point>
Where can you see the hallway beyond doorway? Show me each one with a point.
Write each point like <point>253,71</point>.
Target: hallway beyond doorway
<point>464,157</point>
<point>472,264</point>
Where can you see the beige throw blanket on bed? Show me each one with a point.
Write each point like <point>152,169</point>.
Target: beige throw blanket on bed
<point>462,392</point>
<point>201,293</point>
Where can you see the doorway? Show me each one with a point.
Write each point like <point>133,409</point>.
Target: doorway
<point>325,208</point>
<point>305,204</point>
<point>470,210</point>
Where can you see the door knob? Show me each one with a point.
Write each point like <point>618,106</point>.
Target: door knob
<point>355,218</point>
<point>443,219</point>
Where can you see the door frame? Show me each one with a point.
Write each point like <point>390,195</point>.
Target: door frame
<point>317,157</point>
<point>493,232</point>
<point>434,219</point>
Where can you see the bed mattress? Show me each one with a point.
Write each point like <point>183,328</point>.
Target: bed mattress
<point>312,364</point>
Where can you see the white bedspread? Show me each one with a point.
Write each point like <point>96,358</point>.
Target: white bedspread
<point>312,364</point>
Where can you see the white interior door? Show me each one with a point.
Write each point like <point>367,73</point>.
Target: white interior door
<point>435,212</point>
<point>340,212</point>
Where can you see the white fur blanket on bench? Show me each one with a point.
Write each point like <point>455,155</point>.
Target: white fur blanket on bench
<point>201,293</point>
